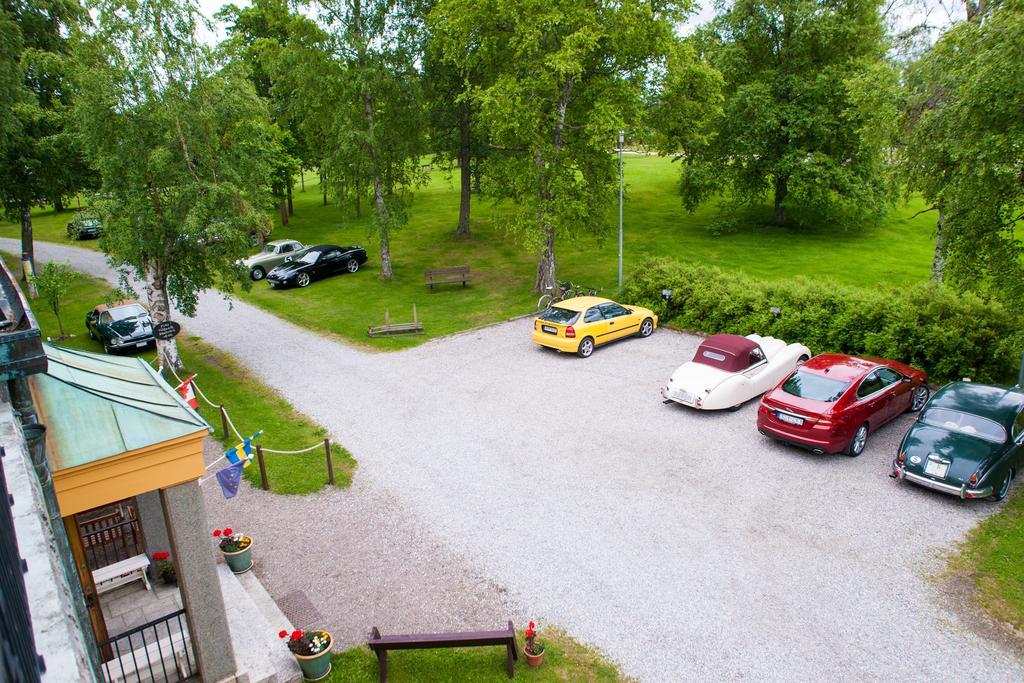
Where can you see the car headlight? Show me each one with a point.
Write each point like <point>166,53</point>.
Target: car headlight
<point>117,341</point>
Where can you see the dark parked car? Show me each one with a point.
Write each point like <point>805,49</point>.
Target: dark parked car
<point>121,326</point>
<point>318,262</point>
<point>84,226</point>
<point>968,441</point>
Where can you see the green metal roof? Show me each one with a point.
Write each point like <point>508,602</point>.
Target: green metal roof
<point>98,406</point>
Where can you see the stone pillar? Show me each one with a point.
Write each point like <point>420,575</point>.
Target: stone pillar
<point>198,582</point>
<point>154,530</point>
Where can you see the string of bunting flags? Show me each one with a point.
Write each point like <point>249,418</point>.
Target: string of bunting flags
<point>239,456</point>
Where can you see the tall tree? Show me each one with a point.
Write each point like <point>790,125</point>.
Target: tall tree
<point>794,122</point>
<point>561,77</point>
<point>185,152</point>
<point>38,160</point>
<point>963,149</point>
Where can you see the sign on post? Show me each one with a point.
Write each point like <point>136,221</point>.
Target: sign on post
<point>167,329</point>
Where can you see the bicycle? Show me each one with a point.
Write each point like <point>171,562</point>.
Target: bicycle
<point>566,290</point>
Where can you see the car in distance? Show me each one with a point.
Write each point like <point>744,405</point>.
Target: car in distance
<point>84,226</point>
<point>274,254</point>
<point>968,441</point>
<point>831,403</point>
<point>580,324</point>
<point>315,263</point>
<point>728,370</point>
<point>121,326</point>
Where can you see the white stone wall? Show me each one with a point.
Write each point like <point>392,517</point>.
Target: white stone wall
<point>58,634</point>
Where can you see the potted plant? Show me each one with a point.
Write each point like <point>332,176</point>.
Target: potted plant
<point>312,650</point>
<point>236,549</point>
<point>165,568</point>
<point>534,649</point>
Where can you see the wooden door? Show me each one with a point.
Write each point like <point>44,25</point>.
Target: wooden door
<point>92,601</point>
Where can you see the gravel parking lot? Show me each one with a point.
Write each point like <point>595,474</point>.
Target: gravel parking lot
<point>683,544</point>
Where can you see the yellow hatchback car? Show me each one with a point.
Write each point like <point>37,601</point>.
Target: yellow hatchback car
<point>578,325</point>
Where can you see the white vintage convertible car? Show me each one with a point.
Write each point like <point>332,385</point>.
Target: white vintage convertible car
<point>729,370</point>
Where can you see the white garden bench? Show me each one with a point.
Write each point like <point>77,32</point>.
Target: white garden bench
<point>117,574</point>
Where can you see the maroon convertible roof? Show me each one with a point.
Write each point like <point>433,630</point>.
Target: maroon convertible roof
<point>729,352</point>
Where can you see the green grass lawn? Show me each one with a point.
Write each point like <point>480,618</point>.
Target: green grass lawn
<point>251,404</point>
<point>896,252</point>
<point>564,660</point>
<point>993,558</point>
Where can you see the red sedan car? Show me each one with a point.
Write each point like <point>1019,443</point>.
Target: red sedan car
<point>832,402</point>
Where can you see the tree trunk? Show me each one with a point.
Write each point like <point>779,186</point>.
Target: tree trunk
<point>283,210</point>
<point>58,204</point>
<point>939,259</point>
<point>546,254</point>
<point>466,173</point>
<point>323,186</point>
<point>476,177</point>
<point>160,310</point>
<point>359,204</point>
<point>27,246</point>
<point>302,179</point>
<point>781,190</point>
<point>291,208</point>
<point>546,258</point>
<point>60,324</point>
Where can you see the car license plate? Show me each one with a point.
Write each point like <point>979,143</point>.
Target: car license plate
<point>789,419</point>
<point>936,468</point>
<point>549,329</point>
<point>141,344</point>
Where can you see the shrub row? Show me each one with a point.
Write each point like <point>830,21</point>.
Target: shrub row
<point>948,334</point>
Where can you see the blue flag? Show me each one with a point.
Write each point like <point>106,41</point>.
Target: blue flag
<point>229,478</point>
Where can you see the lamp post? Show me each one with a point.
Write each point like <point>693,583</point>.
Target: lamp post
<point>621,137</point>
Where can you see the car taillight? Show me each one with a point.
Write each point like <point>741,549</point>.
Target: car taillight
<point>903,457</point>
<point>536,324</point>
<point>570,332</point>
<point>974,479</point>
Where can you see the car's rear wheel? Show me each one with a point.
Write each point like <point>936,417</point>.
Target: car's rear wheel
<point>920,398</point>
<point>586,348</point>
<point>92,335</point>
<point>858,442</point>
<point>352,265</point>
<point>735,407</point>
<point>1004,487</point>
<point>802,359</point>
<point>257,273</point>
<point>302,280</point>
<point>646,328</point>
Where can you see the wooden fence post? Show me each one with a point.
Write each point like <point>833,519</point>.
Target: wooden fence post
<point>330,463</point>
<point>224,419</point>
<point>263,468</point>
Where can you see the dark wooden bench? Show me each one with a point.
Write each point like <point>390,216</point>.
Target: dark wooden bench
<point>448,276</point>
<point>389,328</point>
<point>418,641</point>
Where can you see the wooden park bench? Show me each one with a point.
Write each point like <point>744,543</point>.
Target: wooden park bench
<point>117,574</point>
<point>418,641</point>
<point>390,328</point>
<point>448,276</point>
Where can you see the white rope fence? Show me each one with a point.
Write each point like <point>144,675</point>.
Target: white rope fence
<point>227,419</point>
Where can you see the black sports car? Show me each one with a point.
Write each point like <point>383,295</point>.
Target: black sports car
<point>121,326</point>
<point>318,262</point>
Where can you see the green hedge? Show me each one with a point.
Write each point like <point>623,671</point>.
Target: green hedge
<point>946,333</point>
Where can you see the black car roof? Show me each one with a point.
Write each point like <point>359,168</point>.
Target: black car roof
<point>1000,404</point>
<point>328,247</point>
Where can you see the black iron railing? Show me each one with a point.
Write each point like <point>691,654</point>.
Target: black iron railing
<point>18,658</point>
<point>157,652</point>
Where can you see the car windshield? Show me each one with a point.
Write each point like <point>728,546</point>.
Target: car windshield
<point>310,257</point>
<point>814,387</point>
<point>127,312</point>
<point>964,423</point>
<point>562,316</point>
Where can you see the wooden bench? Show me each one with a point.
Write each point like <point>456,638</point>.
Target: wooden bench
<point>117,574</point>
<point>418,641</point>
<point>389,328</point>
<point>448,276</point>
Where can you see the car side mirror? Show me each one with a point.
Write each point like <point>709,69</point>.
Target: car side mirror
<point>907,379</point>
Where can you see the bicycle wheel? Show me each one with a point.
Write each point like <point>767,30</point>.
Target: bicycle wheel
<point>544,301</point>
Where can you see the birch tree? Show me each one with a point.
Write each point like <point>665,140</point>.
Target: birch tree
<point>184,150</point>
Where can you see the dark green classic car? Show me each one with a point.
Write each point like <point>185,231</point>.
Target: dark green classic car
<point>121,326</point>
<point>968,441</point>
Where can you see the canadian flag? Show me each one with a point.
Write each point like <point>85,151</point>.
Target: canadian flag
<point>187,393</point>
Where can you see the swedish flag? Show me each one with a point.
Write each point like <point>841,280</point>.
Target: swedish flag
<point>232,454</point>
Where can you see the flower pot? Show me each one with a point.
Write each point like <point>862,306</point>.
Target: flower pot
<point>241,561</point>
<point>534,660</point>
<point>170,580</point>
<point>315,667</point>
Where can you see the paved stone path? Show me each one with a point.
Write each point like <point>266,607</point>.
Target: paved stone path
<point>682,544</point>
